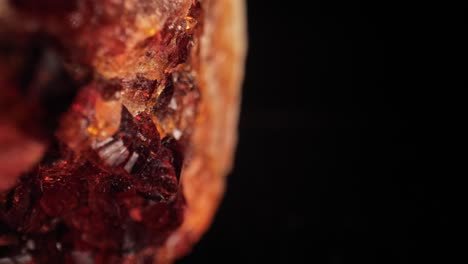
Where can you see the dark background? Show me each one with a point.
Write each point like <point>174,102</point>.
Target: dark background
<point>330,165</point>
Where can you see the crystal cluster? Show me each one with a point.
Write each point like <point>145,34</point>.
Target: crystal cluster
<point>114,98</point>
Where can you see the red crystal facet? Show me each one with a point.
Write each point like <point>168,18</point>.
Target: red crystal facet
<point>107,188</point>
<point>98,202</point>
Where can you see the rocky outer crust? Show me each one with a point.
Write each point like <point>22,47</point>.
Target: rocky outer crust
<point>223,51</point>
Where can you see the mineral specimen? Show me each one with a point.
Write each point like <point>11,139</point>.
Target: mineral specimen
<point>107,89</point>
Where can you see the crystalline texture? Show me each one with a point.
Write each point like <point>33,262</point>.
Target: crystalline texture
<point>107,88</point>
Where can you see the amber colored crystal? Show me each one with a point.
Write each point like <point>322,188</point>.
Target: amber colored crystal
<point>106,189</point>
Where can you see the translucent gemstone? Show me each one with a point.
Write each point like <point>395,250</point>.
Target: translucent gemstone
<point>109,109</point>
<point>164,97</point>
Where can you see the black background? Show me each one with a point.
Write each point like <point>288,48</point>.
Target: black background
<point>329,166</point>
